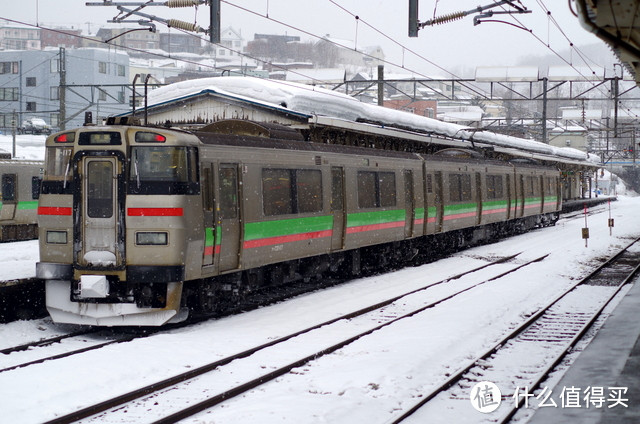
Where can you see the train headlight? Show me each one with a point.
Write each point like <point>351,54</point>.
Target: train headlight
<point>152,238</point>
<point>56,237</point>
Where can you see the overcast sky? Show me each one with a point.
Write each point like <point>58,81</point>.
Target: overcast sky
<point>449,47</point>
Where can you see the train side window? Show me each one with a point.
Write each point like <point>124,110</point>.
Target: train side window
<point>36,182</point>
<point>454,187</point>
<point>387,189</point>
<point>276,191</point>
<point>308,190</point>
<point>228,191</point>
<point>367,189</point>
<point>550,189</point>
<point>459,187</point>
<point>376,189</point>
<point>529,186</point>
<point>8,187</point>
<point>494,187</point>
<point>466,187</point>
<point>286,191</point>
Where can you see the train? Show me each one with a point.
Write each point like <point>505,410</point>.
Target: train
<point>19,189</point>
<point>143,226</point>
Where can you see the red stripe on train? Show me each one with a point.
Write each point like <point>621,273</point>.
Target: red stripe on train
<point>270,241</point>
<point>52,210</point>
<point>155,212</point>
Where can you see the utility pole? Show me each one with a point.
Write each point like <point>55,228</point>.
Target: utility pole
<point>214,28</point>
<point>615,92</point>
<point>13,133</point>
<point>20,100</point>
<point>544,109</point>
<point>380,85</point>
<point>62,68</point>
<point>413,18</point>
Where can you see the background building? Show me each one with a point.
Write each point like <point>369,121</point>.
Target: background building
<point>18,37</point>
<point>30,85</point>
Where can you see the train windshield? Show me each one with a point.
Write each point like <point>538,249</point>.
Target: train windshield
<point>58,173</point>
<point>163,170</point>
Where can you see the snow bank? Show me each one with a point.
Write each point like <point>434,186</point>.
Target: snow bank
<point>318,101</point>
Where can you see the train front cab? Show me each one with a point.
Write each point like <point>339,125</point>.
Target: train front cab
<point>112,231</point>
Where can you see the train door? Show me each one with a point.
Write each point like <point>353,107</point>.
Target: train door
<point>479,194</point>
<point>337,207</point>
<point>409,203</point>
<point>509,198</point>
<point>210,230</point>
<point>520,189</point>
<point>541,191</point>
<point>229,219</point>
<point>439,199</point>
<point>9,197</point>
<point>101,243</point>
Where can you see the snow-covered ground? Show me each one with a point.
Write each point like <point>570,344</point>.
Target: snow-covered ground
<point>371,380</point>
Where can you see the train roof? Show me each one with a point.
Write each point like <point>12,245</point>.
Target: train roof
<point>324,108</point>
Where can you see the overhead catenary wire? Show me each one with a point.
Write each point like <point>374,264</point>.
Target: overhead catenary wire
<point>310,88</point>
<point>607,93</point>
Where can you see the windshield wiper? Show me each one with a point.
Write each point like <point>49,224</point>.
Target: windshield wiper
<point>135,168</point>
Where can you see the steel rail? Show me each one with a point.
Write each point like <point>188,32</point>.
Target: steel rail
<point>520,329</point>
<point>171,381</point>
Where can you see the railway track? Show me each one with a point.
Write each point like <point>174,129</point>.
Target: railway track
<point>538,345</point>
<point>366,321</point>
<point>79,337</point>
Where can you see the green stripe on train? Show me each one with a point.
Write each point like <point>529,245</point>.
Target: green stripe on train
<point>464,208</point>
<point>285,227</point>
<point>494,204</point>
<point>23,206</point>
<point>377,217</point>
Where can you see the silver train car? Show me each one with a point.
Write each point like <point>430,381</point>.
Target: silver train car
<point>141,226</point>
<point>20,182</point>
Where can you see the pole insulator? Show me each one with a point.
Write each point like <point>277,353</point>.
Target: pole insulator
<point>182,3</point>
<point>444,19</point>
<point>175,23</point>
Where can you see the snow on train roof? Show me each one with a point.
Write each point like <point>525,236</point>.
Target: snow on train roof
<point>309,100</point>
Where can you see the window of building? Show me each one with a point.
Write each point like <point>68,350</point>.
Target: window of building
<point>54,93</point>
<point>54,65</point>
<point>31,106</point>
<point>9,94</point>
<point>9,67</point>
<point>102,95</point>
<point>121,70</point>
<point>102,67</point>
<point>31,81</point>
